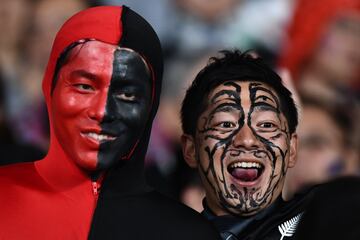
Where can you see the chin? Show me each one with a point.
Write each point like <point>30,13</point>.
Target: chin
<point>89,162</point>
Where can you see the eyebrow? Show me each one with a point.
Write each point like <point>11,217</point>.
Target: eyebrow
<point>235,85</point>
<point>261,88</point>
<point>261,96</point>
<point>262,106</point>
<point>84,73</point>
<point>227,107</point>
<point>230,93</point>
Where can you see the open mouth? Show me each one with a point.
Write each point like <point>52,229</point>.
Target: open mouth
<point>246,171</point>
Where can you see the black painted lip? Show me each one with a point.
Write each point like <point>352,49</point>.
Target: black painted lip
<point>109,132</point>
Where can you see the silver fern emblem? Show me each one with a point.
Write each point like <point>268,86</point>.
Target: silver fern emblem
<point>288,228</point>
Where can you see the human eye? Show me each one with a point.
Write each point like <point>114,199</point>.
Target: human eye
<point>267,126</point>
<point>227,125</point>
<point>263,98</point>
<point>83,87</point>
<point>127,97</point>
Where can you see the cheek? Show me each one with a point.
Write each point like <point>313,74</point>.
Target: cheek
<point>203,150</point>
<point>210,155</point>
<point>134,115</point>
<point>67,105</point>
<point>282,145</point>
<point>278,142</point>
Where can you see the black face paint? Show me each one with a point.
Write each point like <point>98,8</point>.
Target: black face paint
<point>222,123</point>
<point>127,107</point>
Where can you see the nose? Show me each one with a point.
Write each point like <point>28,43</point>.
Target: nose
<point>97,107</point>
<point>110,110</point>
<point>246,139</point>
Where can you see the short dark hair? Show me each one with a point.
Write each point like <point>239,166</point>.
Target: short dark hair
<point>233,65</point>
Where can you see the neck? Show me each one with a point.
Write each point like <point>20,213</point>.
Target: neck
<point>59,170</point>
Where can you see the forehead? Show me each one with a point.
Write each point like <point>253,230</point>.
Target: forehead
<point>93,52</point>
<point>102,59</point>
<point>96,52</point>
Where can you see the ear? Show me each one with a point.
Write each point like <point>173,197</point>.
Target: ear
<point>188,149</point>
<point>293,150</point>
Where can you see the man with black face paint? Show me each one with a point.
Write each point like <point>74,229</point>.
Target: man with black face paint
<point>239,125</point>
<point>102,87</point>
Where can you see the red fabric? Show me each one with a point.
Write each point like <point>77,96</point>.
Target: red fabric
<point>52,198</point>
<point>310,20</point>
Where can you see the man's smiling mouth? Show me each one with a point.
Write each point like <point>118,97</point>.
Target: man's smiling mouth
<point>100,137</point>
<point>246,171</point>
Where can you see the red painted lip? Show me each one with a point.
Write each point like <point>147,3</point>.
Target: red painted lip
<point>91,142</point>
<point>91,129</point>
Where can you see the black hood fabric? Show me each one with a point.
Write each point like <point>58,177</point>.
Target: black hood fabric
<point>128,177</point>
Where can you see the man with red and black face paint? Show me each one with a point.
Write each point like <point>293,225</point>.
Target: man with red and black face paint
<point>102,87</point>
<point>241,137</point>
<point>101,101</point>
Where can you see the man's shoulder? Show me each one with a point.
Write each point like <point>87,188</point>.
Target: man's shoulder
<point>19,178</point>
<point>17,171</point>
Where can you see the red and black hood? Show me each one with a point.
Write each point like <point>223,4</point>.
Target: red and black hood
<point>114,25</point>
<point>117,25</point>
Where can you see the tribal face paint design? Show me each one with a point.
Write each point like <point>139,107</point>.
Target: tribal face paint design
<point>100,104</point>
<point>242,143</point>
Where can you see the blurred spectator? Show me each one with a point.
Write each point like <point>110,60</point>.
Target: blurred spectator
<point>14,18</point>
<point>323,44</point>
<point>328,144</point>
<point>26,107</point>
<point>187,26</point>
<point>12,151</point>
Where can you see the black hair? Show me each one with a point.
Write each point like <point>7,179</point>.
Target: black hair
<point>233,65</point>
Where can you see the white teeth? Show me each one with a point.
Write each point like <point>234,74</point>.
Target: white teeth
<point>245,165</point>
<point>100,137</point>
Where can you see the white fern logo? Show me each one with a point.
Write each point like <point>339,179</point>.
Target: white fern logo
<point>288,228</point>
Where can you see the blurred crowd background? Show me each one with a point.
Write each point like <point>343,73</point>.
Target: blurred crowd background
<point>313,44</point>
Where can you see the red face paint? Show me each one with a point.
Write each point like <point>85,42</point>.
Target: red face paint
<point>100,104</point>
